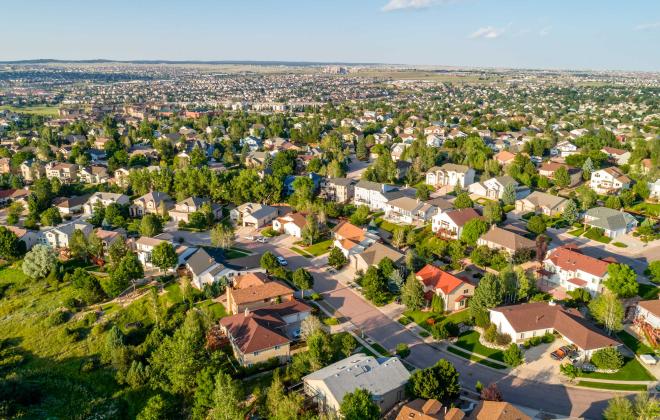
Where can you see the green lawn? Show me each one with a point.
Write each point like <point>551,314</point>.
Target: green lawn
<point>301,252</point>
<point>620,245</point>
<point>319,248</point>
<point>380,349</point>
<point>576,232</point>
<point>649,209</point>
<point>421,317</point>
<point>634,344</point>
<point>615,387</point>
<point>469,341</point>
<point>632,370</point>
<point>216,309</point>
<point>385,225</point>
<point>594,234</point>
<point>45,110</point>
<point>234,252</point>
<point>648,291</point>
<point>474,358</point>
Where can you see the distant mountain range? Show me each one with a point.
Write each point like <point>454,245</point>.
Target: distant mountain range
<point>239,62</point>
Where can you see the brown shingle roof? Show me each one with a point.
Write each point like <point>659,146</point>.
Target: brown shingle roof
<point>269,290</point>
<point>497,410</point>
<point>507,239</point>
<point>652,306</point>
<point>462,216</point>
<point>570,260</point>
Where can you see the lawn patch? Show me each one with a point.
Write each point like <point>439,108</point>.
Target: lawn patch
<point>216,309</point>
<point>619,245</point>
<point>577,232</point>
<point>632,370</point>
<point>469,341</point>
<point>648,291</point>
<point>596,234</point>
<point>301,252</point>
<point>615,387</point>
<point>319,248</point>
<point>474,358</point>
<point>634,344</point>
<point>44,110</point>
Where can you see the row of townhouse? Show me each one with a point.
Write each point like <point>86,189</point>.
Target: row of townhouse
<point>66,173</point>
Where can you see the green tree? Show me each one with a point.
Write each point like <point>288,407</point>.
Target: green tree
<point>440,381</point>
<point>423,192</point>
<point>348,344</point>
<point>281,406</point>
<point>40,261</point>
<point>642,190</point>
<point>163,256</point>
<point>359,405</point>
<point>360,216</point>
<point>303,279</point>
<point>116,251</point>
<point>336,258</point>
<point>562,179</point>
<point>463,201</point>
<point>51,217</point>
<point>654,271</point>
<point>607,310</point>
<point>621,280</point>
<point>536,225</point>
<point>646,408</point>
<point>587,169</point>
<point>87,285</point>
<point>472,230</point>
<point>14,212</point>
<point>11,247</point>
<point>619,408</point>
<point>513,356</point>
<point>412,293</point>
<point>509,194</point>
<point>361,151</point>
<point>157,408</point>
<point>222,236</point>
<point>303,191</point>
<point>227,399</point>
<point>128,269</point>
<point>311,232</point>
<point>150,225</point>
<point>374,285</point>
<point>571,212</point>
<point>493,212</point>
<point>78,245</point>
<point>607,358</point>
<point>268,261</point>
<point>613,202</point>
<point>488,294</point>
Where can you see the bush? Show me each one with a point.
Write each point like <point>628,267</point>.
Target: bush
<point>481,319</point>
<point>569,370</point>
<point>331,321</point>
<point>404,320</point>
<point>315,296</point>
<point>490,334</point>
<point>548,337</point>
<point>440,332</point>
<point>57,318</point>
<point>608,358</point>
<point>452,328</point>
<point>502,339</point>
<point>532,342</point>
<point>513,356</point>
<point>402,350</point>
<point>424,334</point>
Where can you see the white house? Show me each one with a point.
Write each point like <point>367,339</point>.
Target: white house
<point>409,210</point>
<point>493,188</point>
<point>104,199</point>
<point>570,269</point>
<point>609,181</point>
<point>371,194</point>
<point>450,174</point>
<point>253,214</point>
<point>351,239</point>
<point>450,224</point>
<point>291,224</point>
<point>59,236</point>
<point>564,148</point>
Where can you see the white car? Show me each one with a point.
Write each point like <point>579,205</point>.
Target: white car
<point>282,260</point>
<point>261,239</point>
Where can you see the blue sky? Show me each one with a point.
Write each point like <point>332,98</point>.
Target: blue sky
<point>577,34</point>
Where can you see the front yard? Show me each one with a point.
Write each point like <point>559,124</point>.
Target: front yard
<point>596,234</point>
<point>634,344</point>
<point>632,370</point>
<point>421,318</point>
<point>469,341</point>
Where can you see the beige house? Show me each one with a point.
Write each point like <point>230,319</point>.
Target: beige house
<point>502,239</point>
<point>65,172</point>
<point>454,292</point>
<point>152,203</point>
<point>254,291</point>
<point>609,181</point>
<point>253,214</point>
<point>540,202</point>
<point>31,170</point>
<point>340,190</point>
<point>373,255</point>
<point>183,209</point>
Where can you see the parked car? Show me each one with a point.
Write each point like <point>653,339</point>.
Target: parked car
<point>282,260</point>
<point>261,239</point>
<point>558,354</point>
<point>331,270</point>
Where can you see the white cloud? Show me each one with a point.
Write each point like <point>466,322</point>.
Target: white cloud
<point>647,26</point>
<point>545,31</point>
<point>487,32</point>
<point>410,4</point>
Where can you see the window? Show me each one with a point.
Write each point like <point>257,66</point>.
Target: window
<point>522,335</point>
<point>256,353</point>
<point>277,347</point>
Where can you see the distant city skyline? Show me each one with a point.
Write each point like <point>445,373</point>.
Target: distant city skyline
<point>590,34</point>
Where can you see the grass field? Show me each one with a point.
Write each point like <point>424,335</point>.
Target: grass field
<point>632,370</point>
<point>474,358</point>
<point>319,248</point>
<point>615,387</point>
<point>577,232</point>
<point>421,317</point>
<point>634,344</point>
<point>649,209</point>
<point>594,234</point>
<point>45,110</point>
<point>469,341</point>
<point>302,252</point>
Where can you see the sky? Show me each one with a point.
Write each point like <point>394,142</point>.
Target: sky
<point>551,34</point>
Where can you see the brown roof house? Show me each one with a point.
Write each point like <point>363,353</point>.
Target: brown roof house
<point>497,410</point>
<point>263,334</point>
<point>254,291</point>
<point>450,224</point>
<point>570,269</point>
<point>432,409</point>
<point>528,320</point>
<point>373,255</point>
<point>540,202</point>
<point>502,239</point>
<point>154,202</point>
<point>291,224</point>
<point>183,209</point>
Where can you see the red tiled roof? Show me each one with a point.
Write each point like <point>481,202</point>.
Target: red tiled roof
<point>578,282</point>
<point>570,260</point>
<point>432,276</point>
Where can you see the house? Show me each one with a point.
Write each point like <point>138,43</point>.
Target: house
<point>65,172</point>
<point>204,269</point>
<point>29,237</point>
<point>94,174</point>
<point>617,156</point>
<point>494,188</point>
<point>120,177</point>
<point>409,210</point>
<point>613,222</point>
<point>432,409</point>
<point>647,319</point>
<point>108,237</point>
<point>291,224</point>
<point>654,189</point>
<point>351,239</point>
<point>504,157</point>
<point>256,290</point>
<point>372,194</point>
<point>263,334</point>
<point>609,181</point>
<point>253,214</point>
<point>450,174</point>
<point>104,199</point>
<point>144,246</point>
<point>253,143</point>
<point>527,320</point>
<point>70,205</point>
<point>59,236</point>
<point>501,239</point>
<point>384,378</point>
<point>548,169</point>
<point>450,224</point>
<point>543,203</point>
<point>31,170</point>
<point>373,255</point>
<point>5,167</point>
<point>339,190</point>
<point>11,195</point>
<point>564,148</point>
<point>496,410</point>
<point>183,209</point>
<point>570,269</point>
<point>151,203</point>
<point>454,292</point>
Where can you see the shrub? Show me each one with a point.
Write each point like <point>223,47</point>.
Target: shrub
<point>315,296</point>
<point>402,350</point>
<point>89,365</point>
<point>490,334</point>
<point>440,332</point>
<point>404,320</point>
<point>481,319</point>
<point>502,339</point>
<point>451,328</point>
<point>548,337</point>
<point>513,356</point>
<point>569,370</point>
<point>331,321</point>
<point>57,318</point>
<point>607,358</point>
